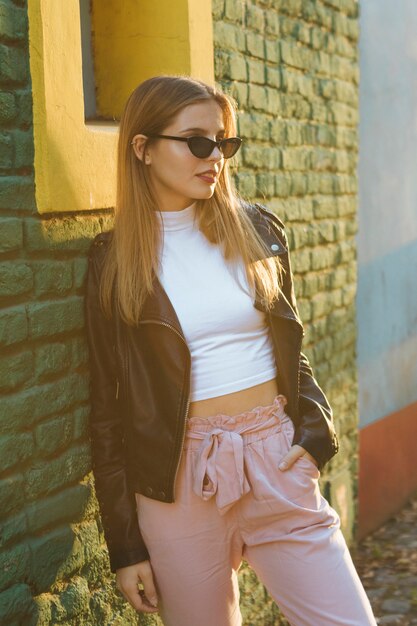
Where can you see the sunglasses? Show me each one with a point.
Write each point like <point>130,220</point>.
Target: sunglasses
<point>202,147</point>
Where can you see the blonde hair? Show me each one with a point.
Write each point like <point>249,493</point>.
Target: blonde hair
<point>133,252</point>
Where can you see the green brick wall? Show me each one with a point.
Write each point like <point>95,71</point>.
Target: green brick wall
<point>293,68</point>
<point>292,65</point>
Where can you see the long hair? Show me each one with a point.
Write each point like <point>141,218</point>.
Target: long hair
<point>132,257</point>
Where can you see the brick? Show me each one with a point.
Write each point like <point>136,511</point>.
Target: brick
<point>13,21</point>
<point>298,184</point>
<point>228,36</point>
<point>24,148</point>
<point>235,11</point>
<point>13,529</point>
<point>301,259</point>
<point>79,353</point>
<point>300,235</point>
<point>47,476</point>
<point>8,109</point>
<point>15,603</point>
<point>254,126</point>
<point>299,57</point>
<point>255,45</point>
<point>217,9</point>
<point>15,449</point>
<point>81,423</point>
<point>326,135</point>
<point>309,285</point>
<point>255,18</point>
<point>265,185</point>
<point>28,407</point>
<point>295,159</point>
<point>48,553</point>
<point>273,77</point>
<point>51,358</point>
<point>304,308</point>
<point>68,505</point>
<point>55,317</point>
<point>324,233</point>
<point>260,157</point>
<point>79,272</point>
<point>323,350</point>
<point>13,65</point>
<point>246,184</point>
<point>256,70</point>
<point>53,435</point>
<point>272,23</point>
<point>15,278</point>
<point>237,68</point>
<point>52,277</point>
<point>322,257</point>
<point>13,565</point>
<point>15,369</point>
<point>6,150</point>
<point>11,494</point>
<point>257,97</point>
<point>293,134</point>
<point>343,114</point>
<point>272,51</point>
<point>240,92</point>
<point>11,234</point>
<point>17,192</point>
<point>24,107</point>
<point>13,325</point>
<point>294,106</point>
<point>63,234</point>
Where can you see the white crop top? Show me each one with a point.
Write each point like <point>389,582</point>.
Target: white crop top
<point>227,336</point>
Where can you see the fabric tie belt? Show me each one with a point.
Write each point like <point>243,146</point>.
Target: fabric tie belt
<point>219,468</point>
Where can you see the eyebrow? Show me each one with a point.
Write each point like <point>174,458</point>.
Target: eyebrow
<point>201,130</point>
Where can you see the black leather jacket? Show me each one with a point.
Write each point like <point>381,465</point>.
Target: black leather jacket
<point>140,384</point>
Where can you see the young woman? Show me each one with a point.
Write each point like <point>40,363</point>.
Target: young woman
<point>208,428</point>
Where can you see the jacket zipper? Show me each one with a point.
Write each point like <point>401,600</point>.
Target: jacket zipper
<point>188,396</point>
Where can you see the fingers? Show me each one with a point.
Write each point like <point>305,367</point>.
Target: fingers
<point>292,455</point>
<point>149,586</point>
<point>128,580</point>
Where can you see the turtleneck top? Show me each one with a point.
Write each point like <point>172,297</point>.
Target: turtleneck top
<point>228,338</point>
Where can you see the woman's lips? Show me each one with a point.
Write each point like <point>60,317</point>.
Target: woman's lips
<point>207,178</point>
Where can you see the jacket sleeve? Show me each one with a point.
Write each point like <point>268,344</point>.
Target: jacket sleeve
<point>117,503</point>
<point>315,431</point>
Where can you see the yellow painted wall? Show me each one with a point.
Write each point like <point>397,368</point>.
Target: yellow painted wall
<point>75,161</point>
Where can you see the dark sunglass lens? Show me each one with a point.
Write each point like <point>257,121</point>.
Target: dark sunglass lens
<point>201,147</point>
<point>231,146</point>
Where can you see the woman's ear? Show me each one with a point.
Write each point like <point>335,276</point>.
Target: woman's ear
<point>139,146</point>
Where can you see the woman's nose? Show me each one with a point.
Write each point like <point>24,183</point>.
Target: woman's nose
<point>216,155</point>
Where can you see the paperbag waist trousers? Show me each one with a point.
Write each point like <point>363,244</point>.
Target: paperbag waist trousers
<point>233,503</point>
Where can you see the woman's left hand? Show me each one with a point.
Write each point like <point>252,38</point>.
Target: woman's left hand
<point>292,455</point>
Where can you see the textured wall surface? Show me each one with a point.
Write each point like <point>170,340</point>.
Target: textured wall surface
<point>293,68</point>
<point>387,238</point>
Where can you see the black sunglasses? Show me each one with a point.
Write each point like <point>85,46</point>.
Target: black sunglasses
<point>202,147</point>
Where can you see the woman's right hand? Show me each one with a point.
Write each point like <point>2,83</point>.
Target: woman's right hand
<point>127,581</point>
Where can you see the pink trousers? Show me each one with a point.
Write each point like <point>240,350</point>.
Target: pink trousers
<point>233,503</point>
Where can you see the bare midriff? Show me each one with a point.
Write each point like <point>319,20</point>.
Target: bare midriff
<point>237,401</point>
